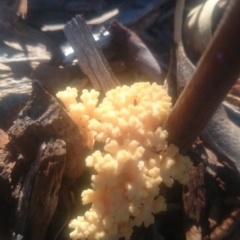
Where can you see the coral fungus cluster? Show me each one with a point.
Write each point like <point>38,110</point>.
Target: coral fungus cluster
<point>135,160</point>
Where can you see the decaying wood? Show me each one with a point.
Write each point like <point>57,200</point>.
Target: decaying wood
<point>217,71</point>
<point>223,191</point>
<point>63,211</point>
<point>42,119</point>
<point>135,53</point>
<point>39,195</point>
<point>194,200</point>
<point>90,58</point>
<point>51,78</point>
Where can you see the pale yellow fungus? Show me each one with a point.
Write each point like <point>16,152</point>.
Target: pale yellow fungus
<point>135,160</point>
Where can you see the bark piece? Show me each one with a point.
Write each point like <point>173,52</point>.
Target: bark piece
<point>90,58</point>
<point>42,119</point>
<point>135,52</point>
<point>194,200</point>
<point>39,195</point>
<point>194,193</point>
<point>63,211</point>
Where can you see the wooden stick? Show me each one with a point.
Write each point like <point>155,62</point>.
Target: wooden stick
<point>90,58</point>
<point>216,72</point>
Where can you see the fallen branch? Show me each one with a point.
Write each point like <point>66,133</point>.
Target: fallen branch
<point>43,118</point>
<point>217,71</point>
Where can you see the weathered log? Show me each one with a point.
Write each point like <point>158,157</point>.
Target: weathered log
<point>43,118</point>
<point>63,212</point>
<point>39,195</point>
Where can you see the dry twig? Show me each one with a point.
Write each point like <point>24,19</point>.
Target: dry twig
<point>217,71</point>
<point>90,57</point>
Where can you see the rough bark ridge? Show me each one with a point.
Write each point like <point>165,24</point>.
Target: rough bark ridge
<point>42,119</point>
